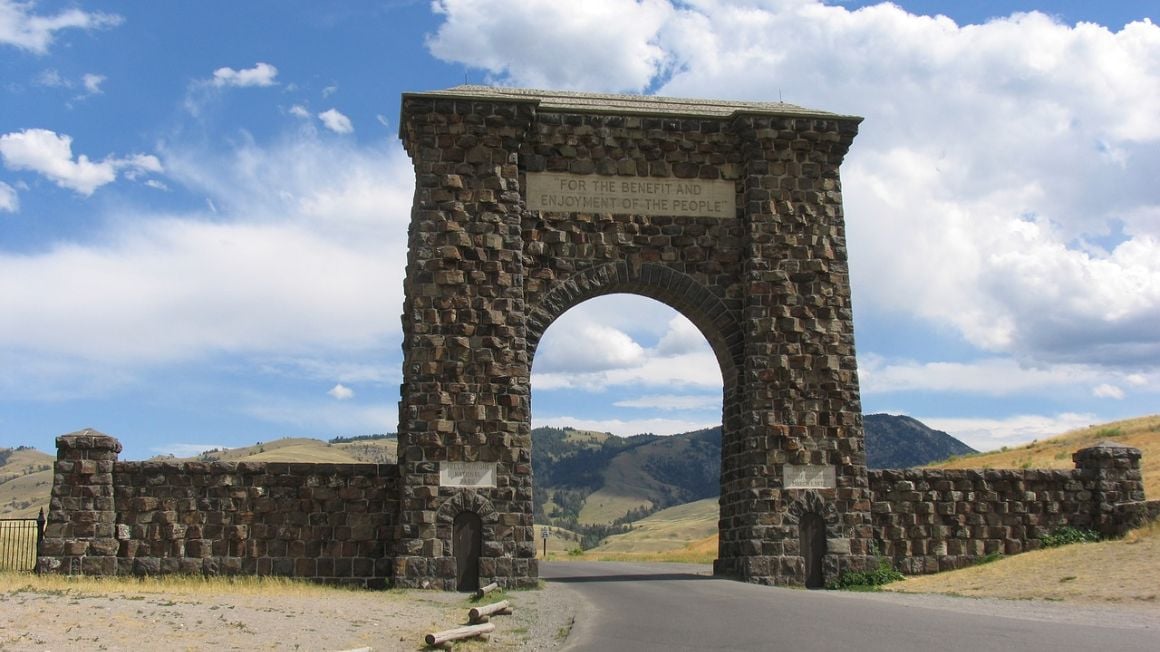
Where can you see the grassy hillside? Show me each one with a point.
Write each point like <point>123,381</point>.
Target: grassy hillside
<point>291,449</point>
<point>1055,453</point>
<point>25,482</point>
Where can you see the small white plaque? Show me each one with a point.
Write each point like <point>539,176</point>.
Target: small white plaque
<point>467,474</point>
<point>558,192</point>
<point>808,476</point>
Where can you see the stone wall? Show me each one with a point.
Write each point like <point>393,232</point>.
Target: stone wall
<point>934,520</point>
<point>336,522</point>
<point>326,522</point>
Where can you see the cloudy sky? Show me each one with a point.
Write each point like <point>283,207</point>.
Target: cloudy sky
<point>203,207</point>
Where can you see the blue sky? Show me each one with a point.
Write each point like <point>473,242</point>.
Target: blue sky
<point>203,207</point>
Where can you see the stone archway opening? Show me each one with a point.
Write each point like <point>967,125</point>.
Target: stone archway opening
<point>626,365</point>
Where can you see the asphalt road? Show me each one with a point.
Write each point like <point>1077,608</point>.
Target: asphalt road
<point>643,607</point>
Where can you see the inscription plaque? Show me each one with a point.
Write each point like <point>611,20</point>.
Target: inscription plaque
<point>579,193</point>
<point>808,476</point>
<point>466,474</point>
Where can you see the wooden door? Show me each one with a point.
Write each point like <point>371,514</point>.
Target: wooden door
<point>466,543</point>
<point>812,530</point>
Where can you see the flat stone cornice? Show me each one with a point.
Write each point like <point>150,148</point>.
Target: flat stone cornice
<point>611,103</point>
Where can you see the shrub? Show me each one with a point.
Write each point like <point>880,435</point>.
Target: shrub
<point>1067,535</point>
<point>865,580</point>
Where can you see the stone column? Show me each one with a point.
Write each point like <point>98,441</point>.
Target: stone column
<point>1111,472</point>
<point>80,534</point>
<point>800,401</point>
<point>466,371</point>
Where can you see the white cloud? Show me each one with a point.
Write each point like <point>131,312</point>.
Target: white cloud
<point>1106,390</point>
<point>297,262</point>
<point>262,74</point>
<point>625,428</point>
<point>593,44</point>
<point>299,111</point>
<point>341,392</point>
<point>50,154</point>
<point>990,434</point>
<point>9,200</point>
<point>336,122</point>
<point>92,83</point>
<point>693,370</point>
<point>577,346</point>
<point>21,28</point>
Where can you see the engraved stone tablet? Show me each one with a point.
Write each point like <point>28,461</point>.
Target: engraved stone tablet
<point>467,474</point>
<point>587,193</point>
<point>807,476</point>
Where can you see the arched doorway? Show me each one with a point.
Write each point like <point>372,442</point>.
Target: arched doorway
<point>812,539</point>
<point>466,545</point>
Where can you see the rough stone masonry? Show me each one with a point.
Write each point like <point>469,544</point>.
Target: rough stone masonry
<point>526,204</point>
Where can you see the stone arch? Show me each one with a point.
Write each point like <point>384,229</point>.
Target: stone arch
<point>465,500</point>
<point>529,202</point>
<point>679,291</point>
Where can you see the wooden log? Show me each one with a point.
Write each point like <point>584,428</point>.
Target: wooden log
<point>478,612</point>
<point>482,591</point>
<point>439,638</point>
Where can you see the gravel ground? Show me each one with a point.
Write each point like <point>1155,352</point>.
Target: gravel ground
<point>311,619</point>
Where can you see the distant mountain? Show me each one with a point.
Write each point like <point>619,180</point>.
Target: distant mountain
<point>898,442</point>
<point>589,479</point>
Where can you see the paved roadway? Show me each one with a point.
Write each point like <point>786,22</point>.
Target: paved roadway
<point>642,607</point>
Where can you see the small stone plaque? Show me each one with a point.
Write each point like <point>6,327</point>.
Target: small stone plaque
<point>467,474</point>
<point>808,476</point>
<point>558,192</point>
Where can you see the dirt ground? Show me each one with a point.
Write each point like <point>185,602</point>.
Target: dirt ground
<point>89,615</point>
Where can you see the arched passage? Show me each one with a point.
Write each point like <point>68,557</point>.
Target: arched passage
<point>529,202</point>
<point>625,364</point>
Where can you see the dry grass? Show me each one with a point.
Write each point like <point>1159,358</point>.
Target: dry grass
<point>1055,453</point>
<point>171,585</point>
<point>1123,571</point>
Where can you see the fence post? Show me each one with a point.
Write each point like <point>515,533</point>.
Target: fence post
<point>39,539</point>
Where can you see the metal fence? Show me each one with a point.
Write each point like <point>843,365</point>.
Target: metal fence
<point>20,541</point>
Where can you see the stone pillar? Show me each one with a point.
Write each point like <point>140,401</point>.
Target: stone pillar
<point>800,400</point>
<point>80,534</point>
<point>1111,472</point>
<point>466,372</point>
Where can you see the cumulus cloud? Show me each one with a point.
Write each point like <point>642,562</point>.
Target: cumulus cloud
<point>341,392</point>
<point>262,74</point>
<point>9,200</point>
<point>50,154</point>
<point>20,27</point>
<point>1107,391</point>
<point>299,111</point>
<point>594,44</point>
<point>335,121</point>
